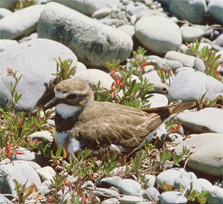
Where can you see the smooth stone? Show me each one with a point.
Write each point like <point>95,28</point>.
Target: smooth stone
<point>172,64</point>
<point>140,11</point>
<point>172,197</point>
<point>168,176</point>
<point>20,22</point>
<point>149,180</point>
<point>129,187</point>
<point>21,171</point>
<point>87,7</point>
<point>4,44</point>
<point>111,22</point>
<point>219,40</point>
<point>130,200</point>
<point>110,201</point>
<point>158,100</point>
<point>183,86</point>
<point>203,121</point>
<point>41,135</point>
<point>4,12</point>
<point>79,68</point>
<point>128,29</point>
<point>193,11</point>
<point>101,13</point>
<point>4,200</point>
<point>152,76</point>
<point>93,76</point>
<point>208,154</point>
<point>43,189</point>
<point>186,60</point>
<point>46,173</point>
<point>199,65</point>
<point>191,34</point>
<point>187,180</point>
<point>23,58</point>
<point>107,193</point>
<point>93,42</point>
<point>30,37</point>
<point>110,181</point>
<point>153,193</point>
<point>158,34</point>
<point>205,184</point>
<point>8,4</point>
<point>34,165</point>
<point>215,9</point>
<point>215,195</point>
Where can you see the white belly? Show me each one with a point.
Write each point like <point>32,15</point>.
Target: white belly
<point>61,137</point>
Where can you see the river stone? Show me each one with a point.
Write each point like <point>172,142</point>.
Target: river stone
<point>4,44</point>
<point>208,154</point>
<point>129,187</point>
<point>215,9</point>
<point>172,197</point>
<point>34,60</point>
<point>158,34</point>
<point>20,22</point>
<point>87,7</point>
<point>130,200</point>
<point>20,171</point>
<point>191,34</point>
<point>93,42</point>
<point>183,86</point>
<point>215,195</point>
<point>4,200</point>
<point>193,11</point>
<point>4,12</point>
<point>203,121</point>
<point>110,181</point>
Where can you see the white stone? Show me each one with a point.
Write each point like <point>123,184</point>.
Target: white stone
<point>101,13</point>
<point>34,60</point>
<point>158,34</point>
<point>93,42</point>
<point>215,9</point>
<point>20,22</point>
<point>172,197</point>
<point>4,12</point>
<point>158,100</point>
<point>4,44</point>
<point>130,200</point>
<point>41,135</point>
<point>215,195</point>
<point>208,154</point>
<point>80,68</point>
<point>129,187</point>
<point>191,34</point>
<point>128,29</point>
<point>46,173</point>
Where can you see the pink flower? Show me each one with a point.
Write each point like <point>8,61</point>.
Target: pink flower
<point>9,70</point>
<point>139,57</point>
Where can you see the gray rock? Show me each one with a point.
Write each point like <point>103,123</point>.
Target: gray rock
<point>110,201</point>
<point>172,64</point>
<point>4,200</point>
<point>172,197</point>
<point>128,29</point>
<point>186,60</point>
<point>41,135</point>
<point>158,34</point>
<point>8,4</point>
<point>130,200</point>
<point>215,9</point>
<point>203,121</point>
<point>4,44</point>
<point>187,180</point>
<point>183,86</point>
<point>208,154</point>
<point>34,56</point>
<point>158,100</point>
<point>199,65</point>
<point>150,180</point>
<point>20,171</point>
<point>93,76</point>
<point>46,173</point>
<point>191,34</point>
<point>168,176</point>
<point>101,13</point>
<point>4,12</point>
<point>110,181</point>
<point>192,10</point>
<point>219,40</point>
<point>205,184</point>
<point>107,193</point>
<point>215,195</point>
<point>129,187</point>
<point>153,193</point>
<point>87,7</point>
<point>20,22</point>
<point>93,42</point>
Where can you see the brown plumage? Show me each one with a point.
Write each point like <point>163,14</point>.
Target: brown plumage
<point>101,126</point>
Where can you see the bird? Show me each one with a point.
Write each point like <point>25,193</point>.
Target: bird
<point>103,127</point>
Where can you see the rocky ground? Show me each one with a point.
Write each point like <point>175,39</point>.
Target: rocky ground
<point>91,33</point>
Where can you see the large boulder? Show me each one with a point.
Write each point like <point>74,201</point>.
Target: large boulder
<point>93,42</point>
<point>34,60</point>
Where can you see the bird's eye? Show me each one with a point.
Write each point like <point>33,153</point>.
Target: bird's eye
<point>72,96</point>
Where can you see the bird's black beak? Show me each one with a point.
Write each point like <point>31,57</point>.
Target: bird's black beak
<point>51,104</point>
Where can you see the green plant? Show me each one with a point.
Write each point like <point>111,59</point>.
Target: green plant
<point>206,102</point>
<point>64,69</point>
<point>164,74</point>
<point>209,57</point>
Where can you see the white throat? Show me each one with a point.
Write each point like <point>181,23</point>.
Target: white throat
<point>66,111</point>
